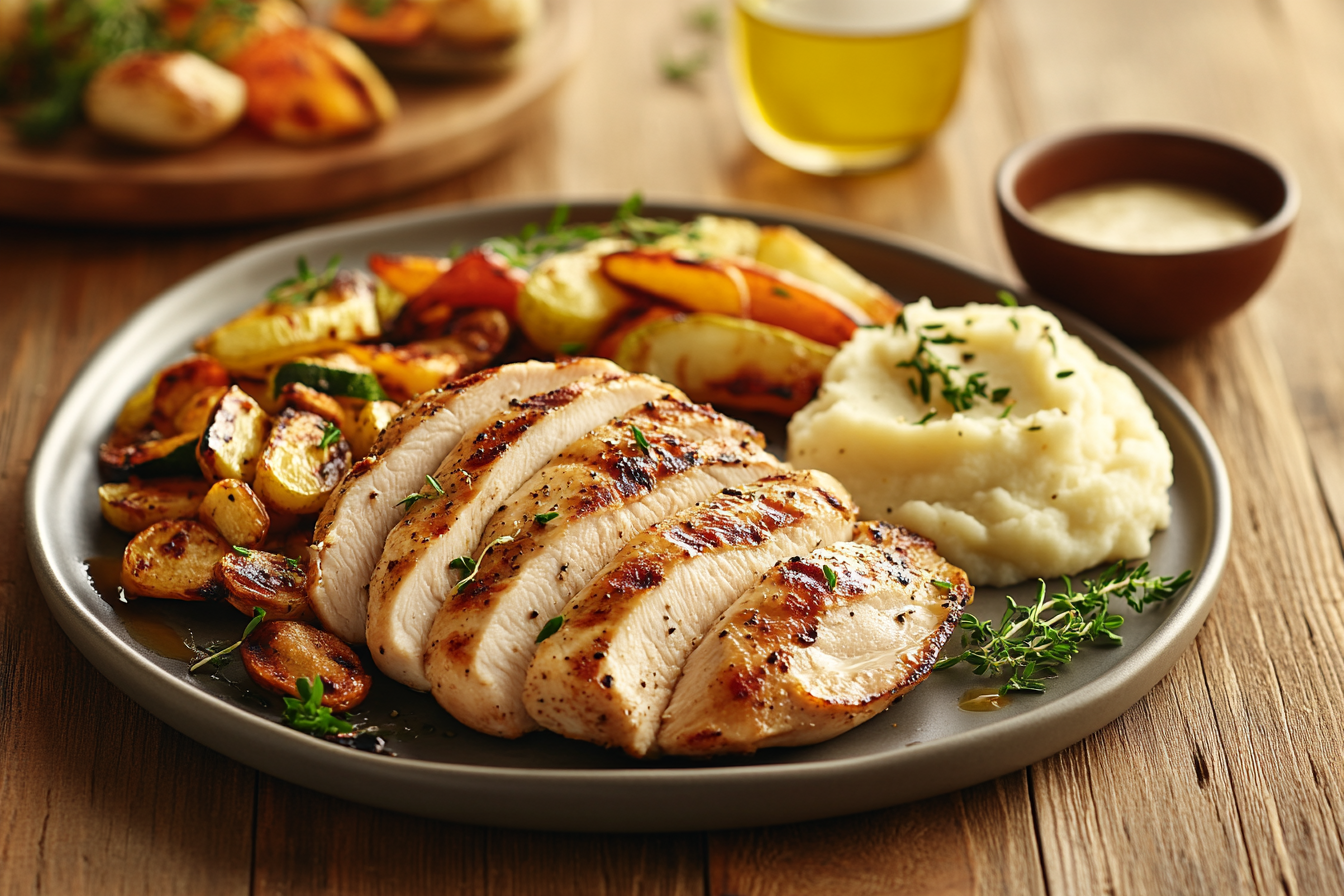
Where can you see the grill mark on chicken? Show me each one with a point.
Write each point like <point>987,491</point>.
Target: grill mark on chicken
<point>603,490</point>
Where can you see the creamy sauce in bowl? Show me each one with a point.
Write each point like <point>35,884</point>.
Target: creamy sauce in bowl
<point>1145,216</point>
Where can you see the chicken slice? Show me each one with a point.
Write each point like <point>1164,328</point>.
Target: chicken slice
<point>414,574</point>
<point>796,661</point>
<point>603,490</point>
<point>363,509</point>
<point>608,673</point>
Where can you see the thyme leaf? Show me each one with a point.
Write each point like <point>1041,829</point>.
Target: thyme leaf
<point>640,440</point>
<point>551,627</point>
<point>533,244</point>
<point>1032,641</point>
<point>831,577</point>
<point>470,566</point>
<point>331,434</point>
<point>547,516</point>
<point>304,286</point>
<point>258,614</point>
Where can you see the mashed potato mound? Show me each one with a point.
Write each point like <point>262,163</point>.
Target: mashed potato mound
<point>1066,470</point>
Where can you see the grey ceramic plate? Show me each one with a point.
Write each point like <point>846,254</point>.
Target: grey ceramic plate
<point>922,746</point>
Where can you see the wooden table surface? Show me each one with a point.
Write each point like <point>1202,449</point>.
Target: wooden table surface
<point>1227,778</point>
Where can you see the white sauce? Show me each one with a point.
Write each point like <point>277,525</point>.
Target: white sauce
<point>1139,216</point>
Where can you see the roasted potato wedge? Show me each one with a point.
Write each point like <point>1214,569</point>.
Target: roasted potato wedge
<point>180,383</point>
<point>233,510</point>
<point>785,248</point>
<point>297,471</point>
<point>568,302</point>
<point>174,559</point>
<point>193,416</point>
<point>233,438</point>
<point>306,398</point>
<point>164,100</point>
<point>710,236</point>
<point>275,583</point>
<point>478,279</point>
<point>310,85</point>
<point>277,654</point>
<point>369,425</point>
<point>728,361</point>
<point>696,284</point>
<point>134,506</point>
<point>345,311</point>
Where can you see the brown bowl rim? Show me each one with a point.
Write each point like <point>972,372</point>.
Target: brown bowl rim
<point>1010,168</point>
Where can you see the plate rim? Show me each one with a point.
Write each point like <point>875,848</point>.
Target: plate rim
<point>293,756</point>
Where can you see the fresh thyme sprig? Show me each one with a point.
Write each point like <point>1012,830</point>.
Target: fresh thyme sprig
<point>308,714</point>
<point>551,627</point>
<point>331,434</point>
<point>533,244</point>
<point>641,441</point>
<point>419,496</point>
<point>470,566</point>
<point>304,286</point>
<point>546,517</point>
<point>258,614</point>
<point>958,391</point>
<point>1033,640</point>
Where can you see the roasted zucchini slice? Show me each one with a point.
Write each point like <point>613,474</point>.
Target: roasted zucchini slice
<point>331,380</point>
<point>119,458</point>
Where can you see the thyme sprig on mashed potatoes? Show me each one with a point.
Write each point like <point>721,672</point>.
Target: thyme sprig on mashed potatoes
<point>1032,641</point>
<point>958,391</point>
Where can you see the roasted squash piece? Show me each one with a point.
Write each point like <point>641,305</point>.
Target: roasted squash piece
<point>568,301</point>
<point>477,337</point>
<point>409,275</point>
<point>275,583</point>
<point>401,23</point>
<point>177,385</point>
<point>344,311</point>
<point>233,510</point>
<point>696,284</point>
<point>806,308</point>
<point>729,362</point>
<point>174,559</point>
<point>304,459</point>
<point>193,416</point>
<point>369,425</point>
<point>277,654</point>
<point>785,248</point>
<point>311,85</point>
<point>479,279</point>
<point>136,505</point>
<point>233,439</point>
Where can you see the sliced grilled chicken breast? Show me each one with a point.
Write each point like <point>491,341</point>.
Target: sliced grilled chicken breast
<point>573,516</point>
<point>414,573</point>
<point>607,675</point>
<point>354,524</point>
<point>796,660</point>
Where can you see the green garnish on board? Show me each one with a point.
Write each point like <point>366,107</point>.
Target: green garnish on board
<point>1032,641</point>
<point>309,715</point>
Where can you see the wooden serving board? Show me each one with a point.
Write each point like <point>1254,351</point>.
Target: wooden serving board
<point>443,128</point>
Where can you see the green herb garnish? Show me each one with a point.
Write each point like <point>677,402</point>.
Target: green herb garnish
<point>411,499</point>
<point>470,566</point>
<point>831,577</point>
<point>547,516</point>
<point>551,627</point>
<point>434,484</point>
<point>640,441</point>
<point>242,551</point>
<point>331,434</point>
<point>942,583</point>
<point>1064,374</point>
<point>308,714</point>
<point>304,287</point>
<point>1033,640</point>
<point>1007,298</point>
<point>571,348</point>
<point>960,392</point>
<point>532,244</point>
<point>293,562</point>
<point>258,614</point>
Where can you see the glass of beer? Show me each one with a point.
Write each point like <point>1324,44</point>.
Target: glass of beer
<point>835,86</point>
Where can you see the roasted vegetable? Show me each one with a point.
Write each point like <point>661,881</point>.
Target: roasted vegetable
<point>178,384</point>
<point>329,378</point>
<point>120,457</point>
<point>477,337</point>
<point>729,362</point>
<point>783,247</point>
<point>275,583</point>
<point>567,302</point>
<point>233,510</point>
<point>220,28</point>
<point>400,23</point>
<point>164,100</point>
<point>310,85</point>
<point>174,559</point>
<point>304,458</point>
<point>136,505</point>
<point>234,436</point>
<point>710,236</point>
<point>479,279</point>
<point>193,416</point>
<point>302,398</point>
<point>369,425</point>
<point>343,311</point>
<point>279,653</point>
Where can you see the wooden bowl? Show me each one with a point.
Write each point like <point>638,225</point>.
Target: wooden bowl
<point>1145,296</point>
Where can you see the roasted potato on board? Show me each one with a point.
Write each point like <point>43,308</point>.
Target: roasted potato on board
<point>164,100</point>
<point>174,559</point>
<point>277,654</point>
<point>233,510</point>
<point>787,249</point>
<point>729,362</point>
<point>275,583</point>
<point>220,30</point>
<point>310,85</point>
<point>233,439</point>
<point>304,458</point>
<point>344,311</point>
<point>136,505</point>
